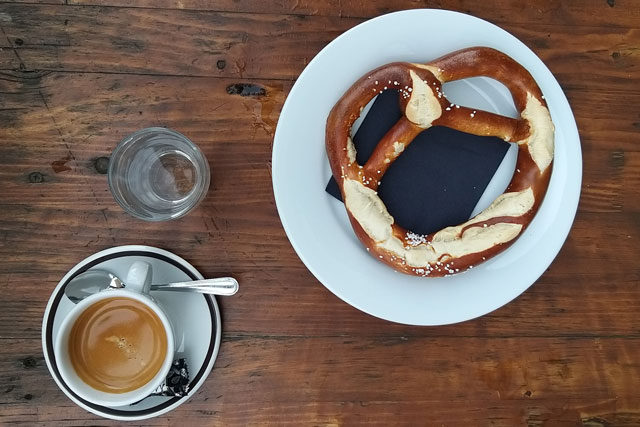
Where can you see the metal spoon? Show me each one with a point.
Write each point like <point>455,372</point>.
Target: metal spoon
<point>92,281</point>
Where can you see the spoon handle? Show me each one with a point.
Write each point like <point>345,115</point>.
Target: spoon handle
<point>218,286</point>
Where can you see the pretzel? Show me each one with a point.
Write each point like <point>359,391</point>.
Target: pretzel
<point>457,248</point>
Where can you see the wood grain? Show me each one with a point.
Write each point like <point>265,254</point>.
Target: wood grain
<point>572,13</point>
<point>295,380</point>
<point>75,78</point>
<point>193,43</point>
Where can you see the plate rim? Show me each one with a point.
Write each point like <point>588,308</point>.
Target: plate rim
<point>131,251</point>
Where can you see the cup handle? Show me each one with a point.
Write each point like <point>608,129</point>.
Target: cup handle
<point>139,277</point>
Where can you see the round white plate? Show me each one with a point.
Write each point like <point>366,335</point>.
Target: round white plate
<point>195,319</point>
<point>317,224</point>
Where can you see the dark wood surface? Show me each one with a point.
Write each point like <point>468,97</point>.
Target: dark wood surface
<point>76,76</point>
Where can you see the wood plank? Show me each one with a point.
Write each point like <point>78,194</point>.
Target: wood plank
<point>505,382</point>
<point>572,13</point>
<point>56,2</point>
<point>588,12</point>
<point>590,290</point>
<point>205,109</point>
<point>610,181</point>
<point>604,120</point>
<point>610,412</point>
<point>181,42</point>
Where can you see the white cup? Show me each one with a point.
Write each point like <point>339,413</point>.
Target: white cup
<point>137,287</point>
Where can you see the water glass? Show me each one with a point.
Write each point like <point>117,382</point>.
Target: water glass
<point>158,174</point>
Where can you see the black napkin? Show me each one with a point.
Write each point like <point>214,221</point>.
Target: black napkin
<point>438,179</point>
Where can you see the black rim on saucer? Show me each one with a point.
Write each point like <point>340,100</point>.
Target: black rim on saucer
<point>105,409</point>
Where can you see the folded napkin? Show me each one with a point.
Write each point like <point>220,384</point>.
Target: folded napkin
<point>438,179</point>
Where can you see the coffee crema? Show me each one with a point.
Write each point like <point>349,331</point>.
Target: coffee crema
<point>117,345</point>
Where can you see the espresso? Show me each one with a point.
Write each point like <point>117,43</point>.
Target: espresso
<point>117,345</point>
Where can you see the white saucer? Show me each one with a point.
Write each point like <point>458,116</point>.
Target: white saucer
<point>194,317</point>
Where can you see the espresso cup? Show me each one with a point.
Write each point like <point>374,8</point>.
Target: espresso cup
<point>116,347</point>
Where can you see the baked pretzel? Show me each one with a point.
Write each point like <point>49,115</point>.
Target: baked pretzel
<point>457,248</point>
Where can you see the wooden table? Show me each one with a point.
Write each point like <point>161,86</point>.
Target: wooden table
<point>78,75</point>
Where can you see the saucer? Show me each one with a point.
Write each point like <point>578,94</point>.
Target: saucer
<point>195,319</point>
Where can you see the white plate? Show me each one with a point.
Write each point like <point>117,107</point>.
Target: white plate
<point>317,224</point>
<point>195,319</point>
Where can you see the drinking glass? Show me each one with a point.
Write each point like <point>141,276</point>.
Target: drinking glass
<point>158,174</point>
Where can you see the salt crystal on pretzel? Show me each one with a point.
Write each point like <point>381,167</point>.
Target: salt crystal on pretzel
<point>457,248</point>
